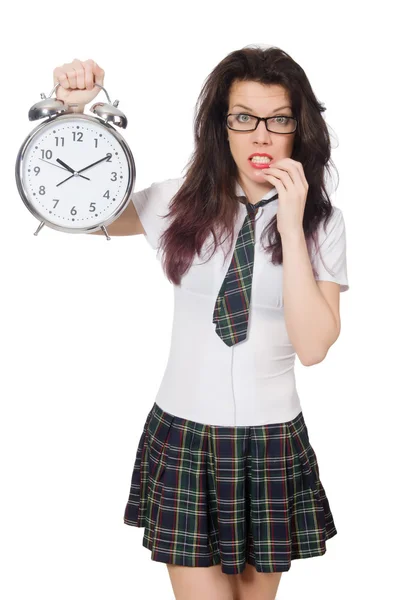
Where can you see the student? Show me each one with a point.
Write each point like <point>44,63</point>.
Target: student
<point>225,482</point>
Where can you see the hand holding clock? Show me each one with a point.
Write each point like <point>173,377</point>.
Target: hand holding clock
<point>77,81</point>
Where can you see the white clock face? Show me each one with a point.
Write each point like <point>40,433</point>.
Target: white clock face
<point>93,188</point>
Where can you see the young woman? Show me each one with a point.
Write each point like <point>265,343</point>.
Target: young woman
<point>226,483</point>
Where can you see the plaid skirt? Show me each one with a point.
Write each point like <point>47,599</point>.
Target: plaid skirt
<point>209,494</point>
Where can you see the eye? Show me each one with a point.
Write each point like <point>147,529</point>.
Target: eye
<point>246,120</point>
<point>281,117</point>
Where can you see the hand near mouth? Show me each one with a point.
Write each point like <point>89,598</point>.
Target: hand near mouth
<point>291,184</point>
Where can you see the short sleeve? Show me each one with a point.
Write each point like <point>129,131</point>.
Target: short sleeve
<point>330,259</point>
<point>152,204</point>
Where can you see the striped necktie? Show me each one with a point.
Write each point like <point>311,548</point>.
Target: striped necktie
<point>231,310</point>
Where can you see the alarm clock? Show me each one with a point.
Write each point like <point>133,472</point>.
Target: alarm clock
<point>75,172</point>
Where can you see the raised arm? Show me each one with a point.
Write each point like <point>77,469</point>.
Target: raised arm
<point>77,81</point>
<point>127,223</point>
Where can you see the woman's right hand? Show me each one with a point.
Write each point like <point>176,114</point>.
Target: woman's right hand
<point>77,81</point>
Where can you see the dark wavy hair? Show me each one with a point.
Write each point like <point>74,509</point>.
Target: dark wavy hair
<point>206,201</point>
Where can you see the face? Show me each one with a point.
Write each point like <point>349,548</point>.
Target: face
<point>260,100</point>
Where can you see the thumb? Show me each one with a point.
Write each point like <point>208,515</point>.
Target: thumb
<point>98,74</point>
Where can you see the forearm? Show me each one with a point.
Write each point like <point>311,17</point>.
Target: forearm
<point>309,320</point>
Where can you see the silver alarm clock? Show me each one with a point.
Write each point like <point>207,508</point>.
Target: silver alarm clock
<point>75,172</point>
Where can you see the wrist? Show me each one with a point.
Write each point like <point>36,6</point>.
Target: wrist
<point>76,108</point>
<point>294,235</point>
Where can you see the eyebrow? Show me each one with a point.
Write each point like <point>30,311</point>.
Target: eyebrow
<point>273,111</point>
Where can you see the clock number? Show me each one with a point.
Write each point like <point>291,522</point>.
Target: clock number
<point>96,142</point>
<point>63,140</point>
<point>73,211</point>
<point>109,157</point>
<point>36,170</point>
<point>115,176</point>
<point>92,207</point>
<point>56,202</point>
<point>46,154</point>
<point>42,190</point>
<point>79,134</point>
<point>106,195</point>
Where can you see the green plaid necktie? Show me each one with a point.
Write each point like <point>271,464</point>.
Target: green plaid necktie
<point>231,310</point>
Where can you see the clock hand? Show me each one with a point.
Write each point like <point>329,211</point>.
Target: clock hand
<point>78,172</point>
<point>70,177</point>
<point>53,164</point>
<point>65,165</point>
<point>69,169</point>
<point>67,179</point>
<point>59,167</point>
<point>94,163</point>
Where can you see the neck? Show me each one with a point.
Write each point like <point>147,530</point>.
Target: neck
<point>254,192</point>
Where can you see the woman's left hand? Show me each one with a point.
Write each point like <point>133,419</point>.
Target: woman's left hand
<point>290,182</point>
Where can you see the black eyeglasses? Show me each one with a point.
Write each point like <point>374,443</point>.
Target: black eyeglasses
<point>246,122</point>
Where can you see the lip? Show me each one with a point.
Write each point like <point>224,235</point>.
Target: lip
<point>261,167</point>
<point>260,154</point>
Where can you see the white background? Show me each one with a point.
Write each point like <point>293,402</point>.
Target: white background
<point>86,323</point>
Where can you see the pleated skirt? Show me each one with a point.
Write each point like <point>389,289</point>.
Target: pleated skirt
<point>209,494</point>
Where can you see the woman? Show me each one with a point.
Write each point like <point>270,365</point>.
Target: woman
<point>226,483</point>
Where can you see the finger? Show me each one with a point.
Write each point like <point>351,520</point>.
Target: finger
<point>302,175</point>
<point>80,74</point>
<point>71,74</point>
<point>89,76</point>
<point>284,175</point>
<point>295,171</point>
<point>298,177</point>
<point>61,77</point>
<point>275,181</point>
<point>99,74</point>
<point>294,174</point>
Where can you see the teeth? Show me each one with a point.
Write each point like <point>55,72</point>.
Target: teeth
<point>261,159</point>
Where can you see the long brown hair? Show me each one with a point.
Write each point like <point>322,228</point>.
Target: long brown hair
<point>206,201</point>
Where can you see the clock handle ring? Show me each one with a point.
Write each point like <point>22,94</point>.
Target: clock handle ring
<point>98,84</point>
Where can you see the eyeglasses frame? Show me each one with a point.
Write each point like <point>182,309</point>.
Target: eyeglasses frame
<point>258,119</point>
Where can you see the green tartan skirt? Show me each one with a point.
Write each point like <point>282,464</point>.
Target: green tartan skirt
<point>209,494</point>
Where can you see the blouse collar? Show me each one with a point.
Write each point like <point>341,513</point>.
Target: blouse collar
<point>241,194</point>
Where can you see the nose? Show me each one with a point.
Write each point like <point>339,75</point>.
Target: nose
<point>261,134</point>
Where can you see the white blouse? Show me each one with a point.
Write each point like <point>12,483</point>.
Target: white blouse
<point>252,382</point>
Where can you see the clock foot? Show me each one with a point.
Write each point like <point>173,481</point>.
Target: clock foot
<point>105,232</point>
<point>39,228</point>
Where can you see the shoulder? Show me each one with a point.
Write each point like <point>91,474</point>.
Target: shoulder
<point>330,237</point>
<point>332,225</point>
<point>336,215</point>
<point>154,199</point>
<point>167,186</point>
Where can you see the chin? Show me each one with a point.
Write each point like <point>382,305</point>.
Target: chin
<point>257,178</point>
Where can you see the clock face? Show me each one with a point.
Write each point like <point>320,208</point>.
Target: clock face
<point>75,172</point>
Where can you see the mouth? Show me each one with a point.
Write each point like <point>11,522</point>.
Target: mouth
<point>260,161</point>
